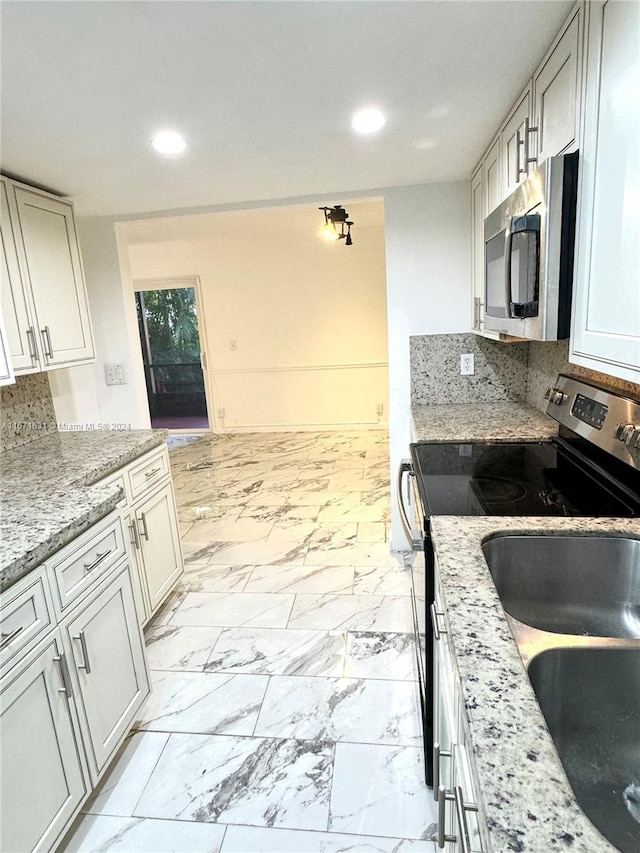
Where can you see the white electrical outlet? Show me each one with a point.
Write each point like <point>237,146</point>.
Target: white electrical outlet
<point>467,364</point>
<point>220,413</point>
<point>233,345</point>
<point>379,409</point>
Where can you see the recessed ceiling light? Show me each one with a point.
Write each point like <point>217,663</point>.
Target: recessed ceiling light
<point>169,142</point>
<point>368,121</point>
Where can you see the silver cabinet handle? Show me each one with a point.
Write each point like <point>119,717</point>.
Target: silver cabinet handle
<point>64,676</point>
<point>525,143</point>
<point>133,530</point>
<point>85,653</point>
<point>443,798</point>
<point>145,531</point>
<point>461,813</point>
<point>99,558</point>
<point>9,637</point>
<point>46,337</point>
<point>527,135</point>
<point>437,755</point>
<point>152,473</point>
<point>520,170</point>
<point>31,339</point>
<point>437,631</point>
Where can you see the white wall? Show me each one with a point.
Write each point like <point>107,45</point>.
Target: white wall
<point>308,317</point>
<point>80,394</point>
<point>428,254</point>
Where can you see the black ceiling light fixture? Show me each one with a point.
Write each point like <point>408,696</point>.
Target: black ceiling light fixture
<point>337,225</point>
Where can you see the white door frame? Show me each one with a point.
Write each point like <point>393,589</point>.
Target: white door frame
<point>175,283</point>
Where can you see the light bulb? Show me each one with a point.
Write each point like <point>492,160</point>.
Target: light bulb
<point>169,142</point>
<point>368,121</point>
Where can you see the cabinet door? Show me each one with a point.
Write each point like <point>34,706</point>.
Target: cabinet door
<point>53,266</point>
<point>159,544</point>
<point>492,178</point>
<point>557,91</point>
<point>477,249</point>
<point>110,669</point>
<point>6,370</point>
<point>42,778</point>
<point>137,568</point>
<point>606,319</point>
<point>16,311</point>
<point>517,143</point>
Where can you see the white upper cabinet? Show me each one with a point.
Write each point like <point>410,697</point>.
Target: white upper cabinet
<point>16,310</point>
<point>557,91</point>
<point>517,143</point>
<point>44,299</point>
<point>492,177</point>
<point>54,272</point>
<point>6,370</point>
<point>606,319</point>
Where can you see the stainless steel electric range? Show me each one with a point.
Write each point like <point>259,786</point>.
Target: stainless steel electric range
<point>591,469</point>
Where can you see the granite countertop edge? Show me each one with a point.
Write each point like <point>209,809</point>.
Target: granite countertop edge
<point>472,422</point>
<point>52,492</point>
<point>524,794</point>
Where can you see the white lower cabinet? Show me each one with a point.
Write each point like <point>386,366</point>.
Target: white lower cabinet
<point>67,703</point>
<point>43,783</point>
<point>108,668</point>
<point>458,826</point>
<point>158,544</point>
<point>150,523</point>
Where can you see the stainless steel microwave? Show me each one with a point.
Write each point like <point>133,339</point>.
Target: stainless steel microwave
<point>528,254</point>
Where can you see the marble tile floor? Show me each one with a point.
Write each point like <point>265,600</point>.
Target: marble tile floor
<point>283,717</point>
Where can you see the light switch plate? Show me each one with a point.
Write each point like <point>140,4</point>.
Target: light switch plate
<point>114,374</point>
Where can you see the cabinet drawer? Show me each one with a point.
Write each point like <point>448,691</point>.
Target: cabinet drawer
<point>119,480</point>
<point>25,615</point>
<point>148,472</point>
<point>80,566</point>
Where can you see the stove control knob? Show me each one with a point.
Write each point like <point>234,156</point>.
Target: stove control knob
<point>557,397</point>
<point>628,433</point>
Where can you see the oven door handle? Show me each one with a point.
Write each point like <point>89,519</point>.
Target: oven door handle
<point>406,467</point>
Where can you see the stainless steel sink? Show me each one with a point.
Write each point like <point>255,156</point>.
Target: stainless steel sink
<point>581,585</point>
<point>590,698</point>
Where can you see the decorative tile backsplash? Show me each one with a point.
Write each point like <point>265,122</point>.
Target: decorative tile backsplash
<point>503,371</point>
<point>500,370</point>
<point>26,410</point>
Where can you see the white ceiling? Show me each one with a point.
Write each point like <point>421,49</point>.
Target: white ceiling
<point>263,91</point>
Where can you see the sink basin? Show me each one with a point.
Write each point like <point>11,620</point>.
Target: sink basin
<point>587,585</point>
<point>590,699</point>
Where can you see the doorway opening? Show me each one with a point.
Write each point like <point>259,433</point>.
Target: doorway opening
<point>173,356</point>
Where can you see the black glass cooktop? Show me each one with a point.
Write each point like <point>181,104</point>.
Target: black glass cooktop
<point>544,479</point>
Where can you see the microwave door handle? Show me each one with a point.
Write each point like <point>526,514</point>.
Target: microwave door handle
<point>529,224</point>
<point>507,271</point>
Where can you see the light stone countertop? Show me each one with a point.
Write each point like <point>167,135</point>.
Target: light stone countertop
<point>525,797</point>
<point>460,422</point>
<point>50,491</point>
